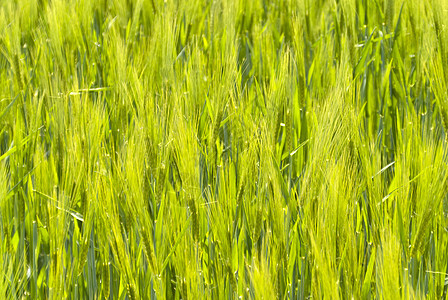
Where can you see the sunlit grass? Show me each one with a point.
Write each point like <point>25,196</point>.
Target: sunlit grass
<point>223,149</point>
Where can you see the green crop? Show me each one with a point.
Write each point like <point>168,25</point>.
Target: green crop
<point>231,149</point>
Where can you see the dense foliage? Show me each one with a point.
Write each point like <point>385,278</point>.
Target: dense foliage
<point>223,149</point>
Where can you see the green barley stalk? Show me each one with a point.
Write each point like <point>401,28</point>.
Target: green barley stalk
<point>160,182</point>
<point>239,197</point>
<point>106,280</point>
<point>390,11</point>
<point>276,126</point>
<point>215,135</point>
<point>194,215</point>
<point>438,17</point>
<point>83,256</point>
<point>288,134</point>
<point>16,68</point>
<point>131,291</point>
<point>8,245</point>
<point>20,207</point>
<point>419,240</point>
<point>232,279</point>
<point>147,248</point>
<point>258,224</point>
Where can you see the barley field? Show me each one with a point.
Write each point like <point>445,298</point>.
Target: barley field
<point>223,149</point>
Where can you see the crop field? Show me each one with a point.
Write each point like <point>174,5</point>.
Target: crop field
<point>223,149</point>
